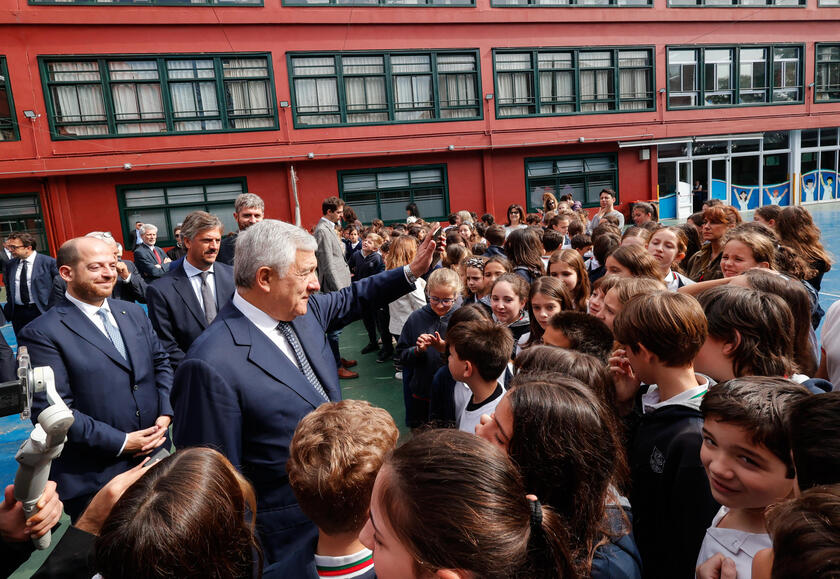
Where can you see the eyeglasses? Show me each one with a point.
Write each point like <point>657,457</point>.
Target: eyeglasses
<point>443,301</point>
<point>13,246</point>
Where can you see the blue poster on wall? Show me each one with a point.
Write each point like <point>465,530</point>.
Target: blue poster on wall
<point>819,185</point>
<point>745,198</point>
<point>719,189</point>
<point>778,194</point>
<point>668,207</point>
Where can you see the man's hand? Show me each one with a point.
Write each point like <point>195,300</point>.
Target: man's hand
<point>142,442</point>
<point>13,525</point>
<point>167,260</point>
<point>163,421</point>
<point>122,270</point>
<point>717,567</point>
<point>101,505</point>
<point>425,253</point>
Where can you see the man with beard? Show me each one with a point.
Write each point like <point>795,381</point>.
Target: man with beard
<point>110,369</point>
<point>248,209</point>
<point>186,300</point>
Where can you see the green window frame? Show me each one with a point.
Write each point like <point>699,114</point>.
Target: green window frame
<point>584,176</point>
<point>166,204</point>
<point>828,3</point>
<point>571,3</point>
<point>374,88</point>
<point>736,3</point>
<point>397,3</point>
<point>21,213</point>
<point>827,73</point>
<point>143,95</point>
<point>384,193</point>
<point>565,81</point>
<point>8,119</point>
<point>197,3</point>
<point>729,76</point>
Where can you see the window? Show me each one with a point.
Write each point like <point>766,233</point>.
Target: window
<point>724,3</point>
<point>827,86</point>
<point>373,88</point>
<point>22,214</point>
<point>384,193</point>
<point>8,125</point>
<point>378,2</point>
<point>569,81</point>
<point>166,205</point>
<point>155,2</point>
<point>583,177</point>
<point>159,95</point>
<point>502,3</point>
<point>740,75</point>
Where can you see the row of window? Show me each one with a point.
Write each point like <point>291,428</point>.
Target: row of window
<point>441,3</point>
<point>372,193</point>
<point>95,97</point>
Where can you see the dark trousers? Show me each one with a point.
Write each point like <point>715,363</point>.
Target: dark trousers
<point>23,315</point>
<point>332,338</point>
<point>369,320</point>
<point>383,320</point>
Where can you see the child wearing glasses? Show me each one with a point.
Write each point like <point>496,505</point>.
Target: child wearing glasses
<point>421,343</point>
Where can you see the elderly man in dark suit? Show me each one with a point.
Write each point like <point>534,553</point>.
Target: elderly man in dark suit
<point>28,277</point>
<point>186,300</point>
<point>265,363</point>
<point>130,286</point>
<point>110,369</point>
<point>150,260</point>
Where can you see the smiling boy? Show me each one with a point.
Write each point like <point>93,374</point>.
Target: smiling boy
<point>747,458</point>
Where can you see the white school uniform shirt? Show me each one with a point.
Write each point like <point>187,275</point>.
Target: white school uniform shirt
<point>194,275</point>
<point>467,420</point>
<point>737,545</point>
<point>675,281</point>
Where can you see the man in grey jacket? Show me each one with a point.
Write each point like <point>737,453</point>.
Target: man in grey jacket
<point>333,273</point>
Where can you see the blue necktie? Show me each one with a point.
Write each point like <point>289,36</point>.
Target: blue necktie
<point>286,329</point>
<point>113,332</point>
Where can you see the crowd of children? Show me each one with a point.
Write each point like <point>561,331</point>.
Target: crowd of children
<point>588,401</point>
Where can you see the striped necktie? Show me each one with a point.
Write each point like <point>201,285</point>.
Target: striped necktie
<point>113,332</point>
<point>288,332</point>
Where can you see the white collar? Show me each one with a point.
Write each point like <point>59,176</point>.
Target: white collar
<point>192,270</point>
<point>87,309</point>
<point>690,398</point>
<point>258,317</point>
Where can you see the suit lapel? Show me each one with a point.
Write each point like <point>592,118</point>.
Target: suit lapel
<point>224,284</point>
<point>130,333</point>
<point>265,355</point>
<point>10,283</point>
<point>80,324</point>
<point>184,288</point>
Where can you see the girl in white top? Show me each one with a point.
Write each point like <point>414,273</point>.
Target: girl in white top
<point>667,245</point>
<point>401,253</point>
<point>548,295</point>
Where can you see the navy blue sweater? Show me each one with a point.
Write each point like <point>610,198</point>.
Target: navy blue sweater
<point>419,367</point>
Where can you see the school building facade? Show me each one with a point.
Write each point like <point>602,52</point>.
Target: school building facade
<point>116,111</point>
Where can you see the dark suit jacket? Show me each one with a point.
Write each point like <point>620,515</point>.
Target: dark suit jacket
<point>108,395</point>
<point>146,262</point>
<point>175,311</point>
<point>235,391</point>
<point>227,249</point>
<point>128,291</point>
<point>42,274</point>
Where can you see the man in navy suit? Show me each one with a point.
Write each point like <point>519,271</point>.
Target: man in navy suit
<point>186,300</point>
<point>265,363</point>
<point>28,277</point>
<point>110,369</point>
<point>248,209</point>
<point>151,261</point>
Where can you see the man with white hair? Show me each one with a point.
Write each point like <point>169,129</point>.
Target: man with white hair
<point>265,363</point>
<point>151,261</point>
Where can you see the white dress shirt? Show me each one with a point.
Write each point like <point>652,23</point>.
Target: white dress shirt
<point>31,265</point>
<point>194,275</point>
<point>266,324</point>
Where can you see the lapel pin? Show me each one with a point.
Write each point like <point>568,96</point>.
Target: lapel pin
<point>123,312</point>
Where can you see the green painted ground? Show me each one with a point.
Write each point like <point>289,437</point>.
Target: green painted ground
<point>375,383</point>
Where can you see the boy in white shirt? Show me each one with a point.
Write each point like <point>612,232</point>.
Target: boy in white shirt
<point>747,457</point>
<point>479,352</point>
